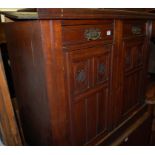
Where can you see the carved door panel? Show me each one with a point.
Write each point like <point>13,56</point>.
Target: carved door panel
<point>133,74</point>
<point>88,74</point>
<point>134,54</point>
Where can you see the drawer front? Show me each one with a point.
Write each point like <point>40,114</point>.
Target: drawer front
<point>133,28</point>
<point>76,34</point>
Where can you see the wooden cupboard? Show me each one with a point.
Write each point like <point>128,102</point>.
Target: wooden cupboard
<point>79,74</point>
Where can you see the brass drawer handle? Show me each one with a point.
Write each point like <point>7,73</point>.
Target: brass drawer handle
<point>92,34</point>
<point>136,30</point>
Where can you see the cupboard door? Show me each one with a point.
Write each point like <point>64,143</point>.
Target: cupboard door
<point>133,89</point>
<point>88,74</point>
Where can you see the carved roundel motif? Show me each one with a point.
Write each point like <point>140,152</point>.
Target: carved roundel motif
<point>101,68</point>
<point>81,75</point>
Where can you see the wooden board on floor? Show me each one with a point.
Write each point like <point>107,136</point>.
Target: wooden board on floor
<point>8,126</point>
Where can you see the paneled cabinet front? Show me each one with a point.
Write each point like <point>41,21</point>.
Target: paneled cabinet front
<point>88,47</point>
<point>133,73</point>
<point>89,73</point>
<point>134,55</point>
<point>82,77</point>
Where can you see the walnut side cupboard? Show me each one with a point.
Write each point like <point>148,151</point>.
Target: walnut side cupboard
<point>80,75</point>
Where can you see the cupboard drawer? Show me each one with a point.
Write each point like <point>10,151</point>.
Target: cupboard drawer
<point>76,34</point>
<point>133,28</point>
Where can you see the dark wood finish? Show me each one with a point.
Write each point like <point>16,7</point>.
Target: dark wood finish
<point>130,26</point>
<point>29,61</point>
<point>91,14</point>
<point>113,135</point>
<point>135,135</point>
<point>55,78</point>
<point>75,34</point>
<point>76,13</point>
<point>2,34</point>
<point>133,73</point>
<point>79,82</point>
<point>132,57</point>
<point>90,95</point>
<point>152,139</point>
<point>153,29</point>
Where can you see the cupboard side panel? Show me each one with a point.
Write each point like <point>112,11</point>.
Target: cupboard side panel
<point>25,51</point>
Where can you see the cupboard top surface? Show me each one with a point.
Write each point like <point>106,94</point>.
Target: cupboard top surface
<point>76,13</point>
